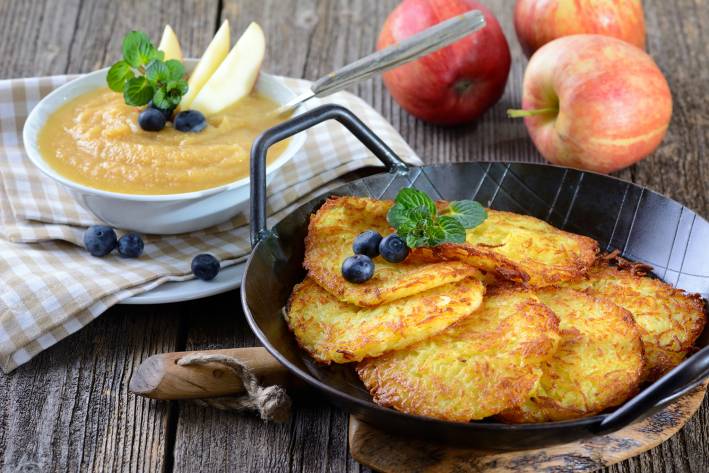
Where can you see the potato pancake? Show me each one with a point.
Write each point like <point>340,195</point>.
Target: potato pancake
<point>669,319</point>
<point>331,231</point>
<point>481,365</point>
<point>521,248</point>
<point>334,331</point>
<point>599,362</point>
<point>514,247</point>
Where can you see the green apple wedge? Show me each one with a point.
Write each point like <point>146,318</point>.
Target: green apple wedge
<point>170,45</point>
<point>211,60</point>
<point>236,76</point>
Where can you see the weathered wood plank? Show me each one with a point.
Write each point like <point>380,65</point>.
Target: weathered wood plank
<point>313,39</point>
<point>36,37</point>
<point>304,41</point>
<point>314,440</point>
<point>69,409</point>
<point>679,168</point>
<point>677,39</point>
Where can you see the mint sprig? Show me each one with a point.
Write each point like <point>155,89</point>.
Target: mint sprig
<point>144,76</point>
<point>418,222</point>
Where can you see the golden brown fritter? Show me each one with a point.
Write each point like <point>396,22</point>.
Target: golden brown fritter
<point>483,364</point>
<point>520,248</point>
<point>598,364</point>
<point>669,319</point>
<point>515,247</point>
<point>332,230</point>
<point>334,331</point>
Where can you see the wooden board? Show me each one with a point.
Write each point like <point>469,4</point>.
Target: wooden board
<point>391,454</point>
<point>70,410</point>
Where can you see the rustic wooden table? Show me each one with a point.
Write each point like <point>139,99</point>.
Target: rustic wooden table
<point>69,409</point>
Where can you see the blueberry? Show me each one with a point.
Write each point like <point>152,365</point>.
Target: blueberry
<point>205,267</point>
<point>99,240</point>
<point>130,245</point>
<point>151,119</point>
<point>393,248</point>
<point>166,112</point>
<point>190,120</point>
<point>367,243</point>
<point>358,268</point>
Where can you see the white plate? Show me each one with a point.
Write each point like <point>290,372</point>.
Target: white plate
<point>227,280</point>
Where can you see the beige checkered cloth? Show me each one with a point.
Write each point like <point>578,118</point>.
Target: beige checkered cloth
<point>50,287</point>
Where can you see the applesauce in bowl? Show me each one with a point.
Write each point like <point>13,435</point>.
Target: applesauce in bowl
<point>95,140</point>
<point>150,210</point>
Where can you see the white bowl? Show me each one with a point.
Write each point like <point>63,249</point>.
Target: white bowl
<point>155,214</point>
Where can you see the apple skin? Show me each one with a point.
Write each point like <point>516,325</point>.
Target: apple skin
<point>611,105</point>
<point>539,21</point>
<point>457,83</point>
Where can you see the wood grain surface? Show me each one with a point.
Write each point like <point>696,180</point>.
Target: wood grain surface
<point>69,409</point>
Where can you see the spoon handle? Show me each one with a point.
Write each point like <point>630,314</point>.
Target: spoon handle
<point>413,47</point>
<point>427,41</point>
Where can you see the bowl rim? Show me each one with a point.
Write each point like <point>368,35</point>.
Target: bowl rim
<point>39,115</point>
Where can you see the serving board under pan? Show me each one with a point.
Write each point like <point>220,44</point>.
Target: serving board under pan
<point>395,454</point>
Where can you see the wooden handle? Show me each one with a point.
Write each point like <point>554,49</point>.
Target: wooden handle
<point>160,377</point>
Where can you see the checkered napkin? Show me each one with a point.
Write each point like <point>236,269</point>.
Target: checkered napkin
<point>50,287</point>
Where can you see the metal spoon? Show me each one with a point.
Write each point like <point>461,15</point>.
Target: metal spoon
<point>427,41</point>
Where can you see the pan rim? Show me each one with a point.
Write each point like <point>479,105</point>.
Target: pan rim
<point>584,422</point>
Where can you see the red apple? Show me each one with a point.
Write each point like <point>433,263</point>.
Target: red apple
<point>457,83</point>
<point>594,102</point>
<point>539,21</point>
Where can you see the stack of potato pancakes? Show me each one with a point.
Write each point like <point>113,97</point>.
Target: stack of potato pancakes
<point>523,321</point>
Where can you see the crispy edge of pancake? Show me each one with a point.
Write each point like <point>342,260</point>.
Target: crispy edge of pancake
<point>523,271</point>
<point>588,252</point>
<point>311,335</point>
<point>545,406</point>
<point>475,256</point>
<point>661,358</point>
<point>390,388</point>
<point>370,293</point>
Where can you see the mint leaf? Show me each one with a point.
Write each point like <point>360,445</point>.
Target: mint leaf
<point>453,230</point>
<point>469,213</point>
<point>398,216</point>
<point>157,71</point>
<point>412,198</point>
<point>118,75</point>
<point>416,241</point>
<point>138,91</point>
<point>177,87</point>
<point>177,70</point>
<point>161,100</point>
<point>143,74</point>
<point>416,219</point>
<point>138,50</point>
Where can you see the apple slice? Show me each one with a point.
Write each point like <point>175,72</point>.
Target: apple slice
<point>170,45</point>
<point>236,76</point>
<point>211,59</point>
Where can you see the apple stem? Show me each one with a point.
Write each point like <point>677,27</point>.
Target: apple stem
<point>520,113</point>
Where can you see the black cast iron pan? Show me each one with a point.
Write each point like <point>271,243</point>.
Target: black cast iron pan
<point>643,225</point>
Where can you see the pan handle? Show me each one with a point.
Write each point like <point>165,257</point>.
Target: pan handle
<point>295,125</point>
<point>693,370</point>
